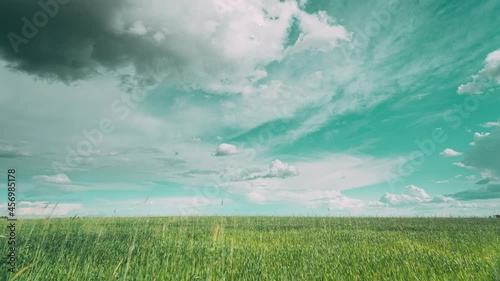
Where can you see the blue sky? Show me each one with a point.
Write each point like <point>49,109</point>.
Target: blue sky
<point>253,108</point>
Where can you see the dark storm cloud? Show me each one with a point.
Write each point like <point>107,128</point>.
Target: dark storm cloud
<point>70,39</point>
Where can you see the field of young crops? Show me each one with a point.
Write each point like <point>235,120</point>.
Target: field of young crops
<point>256,248</point>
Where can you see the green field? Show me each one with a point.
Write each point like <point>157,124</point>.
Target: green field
<point>256,248</point>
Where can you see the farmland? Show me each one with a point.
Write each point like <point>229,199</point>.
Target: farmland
<point>256,248</point>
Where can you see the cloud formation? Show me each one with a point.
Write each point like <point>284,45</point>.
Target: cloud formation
<point>485,154</point>
<point>491,191</point>
<point>331,199</point>
<point>484,78</point>
<point>12,151</point>
<point>480,136</point>
<point>225,149</point>
<point>492,68</point>
<point>280,169</point>
<point>413,196</point>
<point>277,170</point>
<point>196,42</point>
<point>450,153</point>
<point>342,202</point>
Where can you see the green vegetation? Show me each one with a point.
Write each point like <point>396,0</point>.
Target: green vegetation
<point>257,248</point>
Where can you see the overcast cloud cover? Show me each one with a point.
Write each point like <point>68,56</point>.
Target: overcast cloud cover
<point>158,107</point>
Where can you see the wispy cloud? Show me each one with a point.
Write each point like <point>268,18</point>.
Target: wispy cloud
<point>12,151</point>
<point>59,178</point>
<point>491,124</point>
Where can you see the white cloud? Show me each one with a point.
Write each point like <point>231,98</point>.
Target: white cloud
<point>310,198</point>
<point>470,88</point>
<point>337,172</point>
<point>282,170</point>
<point>450,153</point>
<point>490,73</point>
<point>492,68</point>
<point>419,199</point>
<point>414,191</point>
<point>42,208</point>
<point>399,199</point>
<point>227,40</point>
<point>491,124</point>
<point>442,199</point>
<point>225,149</point>
<point>318,179</point>
<point>342,202</point>
<point>461,165</point>
<point>12,151</point>
<point>318,33</point>
<point>224,46</point>
<point>277,169</point>
<point>442,181</point>
<point>480,136</point>
<point>302,3</point>
<point>318,185</point>
<point>413,195</point>
<point>59,178</point>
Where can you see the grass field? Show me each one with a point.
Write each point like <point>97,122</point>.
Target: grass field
<point>256,248</point>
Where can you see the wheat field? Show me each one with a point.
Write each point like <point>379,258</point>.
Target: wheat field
<point>257,248</point>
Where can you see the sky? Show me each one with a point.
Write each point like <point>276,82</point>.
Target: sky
<point>258,107</point>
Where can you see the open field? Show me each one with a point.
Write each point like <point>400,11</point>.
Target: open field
<point>257,248</point>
